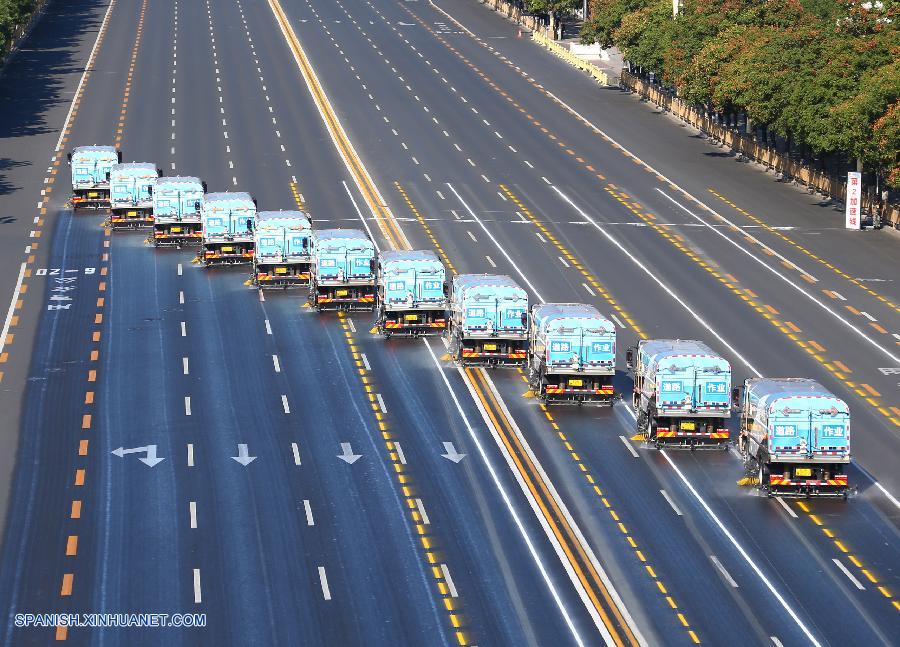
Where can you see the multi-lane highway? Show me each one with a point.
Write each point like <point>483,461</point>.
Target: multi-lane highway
<point>320,485</point>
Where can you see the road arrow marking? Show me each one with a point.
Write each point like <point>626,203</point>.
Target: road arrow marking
<point>149,460</point>
<point>243,456</point>
<point>348,454</point>
<point>451,454</point>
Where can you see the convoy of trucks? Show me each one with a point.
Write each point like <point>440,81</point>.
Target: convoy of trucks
<point>176,211</point>
<point>412,293</point>
<point>226,222</point>
<point>91,167</point>
<point>571,354</point>
<point>794,434</point>
<point>488,320</point>
<point>131,194</point>
<point>681,393</point>
<point>282,249</point>
<point>342,273</point>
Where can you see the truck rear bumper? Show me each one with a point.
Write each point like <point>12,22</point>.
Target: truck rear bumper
<point>181,234</point>
<point>281,275</point>
<point>347,297</point>
<point>131,217</point>
<point>493,352</point>
<point>577,389</point>
<point>230,253</point>
<point>412,323</point>
<point>84,199</point>
<point>716,439</point>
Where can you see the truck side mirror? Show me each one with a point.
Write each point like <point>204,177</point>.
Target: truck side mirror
<point>197,205</point>
<point>107,176</point>
<point>69,157</point>
<point>159,172</point>
<point>203,184</point>
<point>525,320</point>
<point>446,289</point>
<point>629,358</point>
<point>254,204</point>
<point>372,262</point>
<point>736,396</point>
<point>150,189</point>
<point>119,156</point>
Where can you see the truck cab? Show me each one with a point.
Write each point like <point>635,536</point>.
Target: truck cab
<point>227,223</point>
<point>283,249</point>
<point>488,320</point>
<point>91,167</point>
<point>342,273</point>
<point>177,202</point>
<point>795,437</point>
<point>131,194</point>
<point>571,354</point>
<point>681,393</point>
<point>412,298</point>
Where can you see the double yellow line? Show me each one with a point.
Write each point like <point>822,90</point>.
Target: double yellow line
<point>383,216</point>
<point>581,563</point>
<point>596,590</point>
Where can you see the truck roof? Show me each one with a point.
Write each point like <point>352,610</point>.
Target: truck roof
<point>178,180</point>
<point>570,315</point>
<point>266,217</point>
<point>673,347</point>
<point>227,196</point>
<point>392,255</point>
<point>96,150</point>
<point>463,281</point>
<point>769,390</point>
<point>135,168</point>
<point>341,234</point>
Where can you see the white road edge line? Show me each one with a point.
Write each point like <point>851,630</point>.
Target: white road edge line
<point>12,307</point>
<point>669,499</point>
<point>725,573</point>
<point>786,507</point>
<point>655,279</point>
<point>323,580</point>
<point>734,542</point>
<point>631,449</point>
<point>561,506</point>
<point>198,598</point>
<point>494,240</point>
<point>507,501</point>
<point>849,575</point>
<point>422,514</point>
<point>798,288</point>
<point>450,585</point>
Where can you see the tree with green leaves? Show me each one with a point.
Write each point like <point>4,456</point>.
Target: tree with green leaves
<point>553,8</point>
<point>823,73</point>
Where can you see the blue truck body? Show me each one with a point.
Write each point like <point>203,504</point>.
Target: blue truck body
<point>488,320</point>
<point>681,393</point>
<point>571,353</point>
<point>795,437</point>
<point>177,202</point>
<point>412,297</point>
<point>131,194</point>
<point>91,167</point>
<point>227,221</point>
<point>342,274</point>
<point>283,248</point>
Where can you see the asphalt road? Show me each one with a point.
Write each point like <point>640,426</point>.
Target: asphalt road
<point>554,522</point>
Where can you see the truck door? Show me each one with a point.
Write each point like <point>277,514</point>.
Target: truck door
<point>830,432</point>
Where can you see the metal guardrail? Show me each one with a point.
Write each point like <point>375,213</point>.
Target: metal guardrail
<point>563,52</point>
